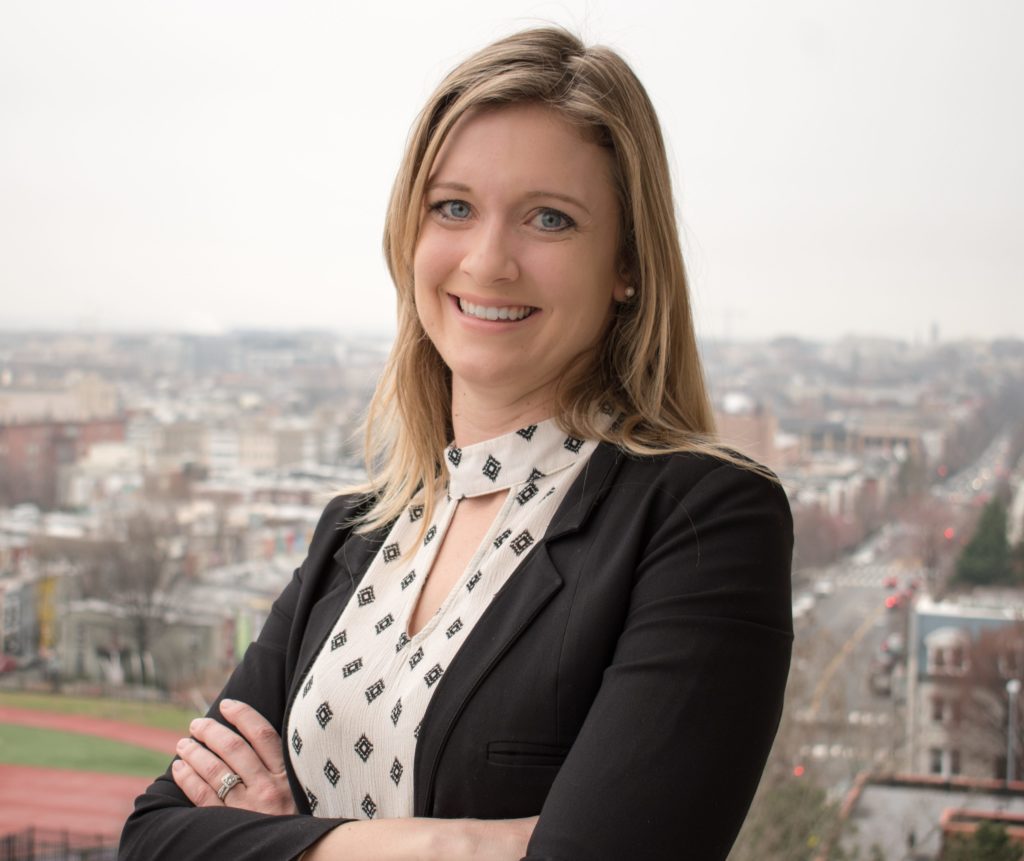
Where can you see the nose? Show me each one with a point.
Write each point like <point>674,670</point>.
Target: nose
<point>490,257</point>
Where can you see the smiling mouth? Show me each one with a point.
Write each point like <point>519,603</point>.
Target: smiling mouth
<point>512,313</point>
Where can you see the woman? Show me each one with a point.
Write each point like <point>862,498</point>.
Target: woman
<point>558,624</point>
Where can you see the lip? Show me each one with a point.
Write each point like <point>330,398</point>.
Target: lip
<point>490,303</point>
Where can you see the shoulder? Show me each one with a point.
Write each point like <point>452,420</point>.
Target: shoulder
<point>337,520</point>
<point>697,478</point>
<point>700,524</point>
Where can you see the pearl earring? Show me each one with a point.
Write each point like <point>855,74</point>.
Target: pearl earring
<point>630,292</point>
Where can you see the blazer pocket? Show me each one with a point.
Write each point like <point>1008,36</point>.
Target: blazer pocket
<point>520,753</point>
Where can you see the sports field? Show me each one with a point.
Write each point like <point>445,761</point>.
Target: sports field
<point>74,763</point>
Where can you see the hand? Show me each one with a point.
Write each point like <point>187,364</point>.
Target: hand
<point>253,753</point>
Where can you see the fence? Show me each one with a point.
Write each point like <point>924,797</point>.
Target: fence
<point>35,844</point>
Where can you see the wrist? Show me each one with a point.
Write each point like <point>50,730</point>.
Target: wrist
<point>412,839</point>
<point>448,839</point>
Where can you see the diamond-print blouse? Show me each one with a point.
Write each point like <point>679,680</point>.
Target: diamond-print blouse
<point>352,730</point>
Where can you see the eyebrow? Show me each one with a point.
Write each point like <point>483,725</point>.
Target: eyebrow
<point>530,195</point>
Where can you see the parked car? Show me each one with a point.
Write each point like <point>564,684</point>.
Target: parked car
<point>893,645</point>
<point>802,604</point>
<point>8,663</point>
<point>880,681</point>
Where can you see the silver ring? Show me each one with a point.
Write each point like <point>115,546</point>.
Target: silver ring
<point>228,782</point>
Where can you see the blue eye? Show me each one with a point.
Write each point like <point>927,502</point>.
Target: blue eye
<point>553,221</point>
<point>456,210</point>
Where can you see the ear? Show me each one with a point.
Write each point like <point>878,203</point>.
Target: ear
<point>623,290</point>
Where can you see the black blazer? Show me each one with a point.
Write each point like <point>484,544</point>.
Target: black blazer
<point>625,684</point>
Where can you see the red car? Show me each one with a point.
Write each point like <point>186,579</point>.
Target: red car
<point>7,664</point>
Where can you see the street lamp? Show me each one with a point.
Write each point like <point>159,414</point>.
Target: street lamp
<point>1012,690</point>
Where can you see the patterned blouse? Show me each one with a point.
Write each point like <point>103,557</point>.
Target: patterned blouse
<point>352,732</point>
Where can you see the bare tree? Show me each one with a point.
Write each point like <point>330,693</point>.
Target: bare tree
<point>818,539</point>
<point>981,714</point>
<point>135,568</point>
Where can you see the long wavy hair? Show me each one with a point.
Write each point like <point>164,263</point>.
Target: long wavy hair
<point>646,368</point>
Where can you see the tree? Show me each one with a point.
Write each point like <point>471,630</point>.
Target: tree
<point>790,818</point>
<point>986,557</point>
<point>990,842</point>
<point>930,522</point>
<point>817,537</point>
<point>787,821</point>
<point>981,713</point>
<point>135,567</point>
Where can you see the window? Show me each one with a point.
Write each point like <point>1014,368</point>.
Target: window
<point>935,760</point>
<point>947,651</point>
<point>954,761</point>
<point>948,711</point>
<point>1008,661</point>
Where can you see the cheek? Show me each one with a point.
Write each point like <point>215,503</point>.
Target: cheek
<point>427,275</point>
<point>436,256</point>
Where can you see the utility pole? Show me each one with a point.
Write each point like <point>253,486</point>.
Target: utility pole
<point>1012,690</point>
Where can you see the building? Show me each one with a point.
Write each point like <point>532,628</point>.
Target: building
<point>913,817</point>
<point>962,651</point>
<point>33,455</point>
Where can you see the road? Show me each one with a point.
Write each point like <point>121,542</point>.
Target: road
<point>843,723</point>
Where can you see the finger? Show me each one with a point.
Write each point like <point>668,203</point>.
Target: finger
<point>258,731</point>
<point>207,766</point>
<point>225,751</point>
<point>196,789</point>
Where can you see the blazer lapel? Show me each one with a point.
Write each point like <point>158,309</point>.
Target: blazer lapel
<point>353,560</point>
<point>509,614</point>
<point>585,492</point>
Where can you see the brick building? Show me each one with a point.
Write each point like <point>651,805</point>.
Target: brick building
<point>33,453</point>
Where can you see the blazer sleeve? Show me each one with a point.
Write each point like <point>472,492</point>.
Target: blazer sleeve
<point>166,826</point>
<point>672,749</point>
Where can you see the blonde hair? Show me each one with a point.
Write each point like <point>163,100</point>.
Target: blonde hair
<point>647,368</point>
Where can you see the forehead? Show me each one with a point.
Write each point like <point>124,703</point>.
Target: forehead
<point>523,143</point>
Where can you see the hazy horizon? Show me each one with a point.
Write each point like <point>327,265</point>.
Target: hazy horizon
<point>839,168</point>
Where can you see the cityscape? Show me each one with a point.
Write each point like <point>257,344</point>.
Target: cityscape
<point>158,490</point>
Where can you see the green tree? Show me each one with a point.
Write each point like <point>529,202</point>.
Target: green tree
<point>986,557</point>
<point>989,843</point>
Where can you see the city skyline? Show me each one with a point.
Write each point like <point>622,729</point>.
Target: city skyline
<point>839,170</point>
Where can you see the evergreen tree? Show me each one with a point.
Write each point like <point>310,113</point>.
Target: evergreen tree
<point>986,558</point>
<point>989,843</point>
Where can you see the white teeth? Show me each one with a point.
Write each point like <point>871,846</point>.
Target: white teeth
<point>507,312</point>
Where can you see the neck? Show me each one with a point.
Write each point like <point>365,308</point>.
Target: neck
<point>479,416</point>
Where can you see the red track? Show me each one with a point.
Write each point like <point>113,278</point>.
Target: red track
<point>78,801</point>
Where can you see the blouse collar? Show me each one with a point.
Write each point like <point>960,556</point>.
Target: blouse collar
<point>509,460</point>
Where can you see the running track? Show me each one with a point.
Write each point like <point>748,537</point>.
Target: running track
<point>78,801</point>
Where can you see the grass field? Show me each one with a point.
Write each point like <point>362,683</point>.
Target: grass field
<point>20,745</point>
<point>159,715</point>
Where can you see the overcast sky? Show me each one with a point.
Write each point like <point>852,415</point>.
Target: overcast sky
<point>840,167</point>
